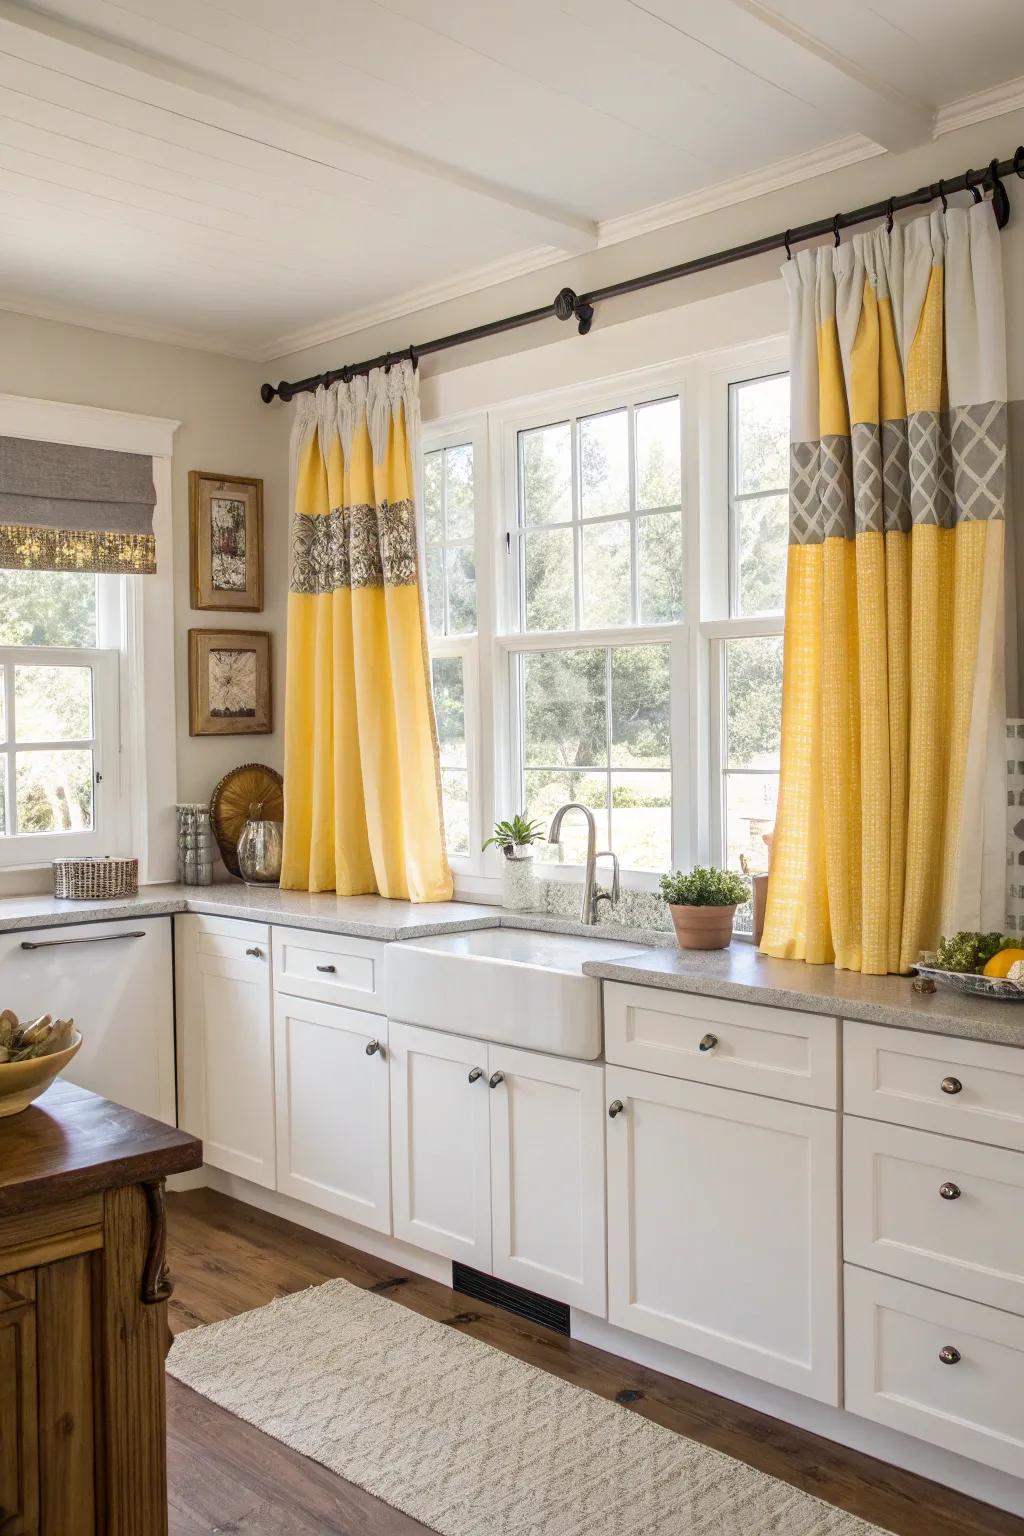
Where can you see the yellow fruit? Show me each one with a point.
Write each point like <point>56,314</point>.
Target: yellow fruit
<point>1000,964</point>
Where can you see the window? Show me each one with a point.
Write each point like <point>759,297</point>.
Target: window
<point>449,523</point>
<point>748,646</point>
<point>58,714</point>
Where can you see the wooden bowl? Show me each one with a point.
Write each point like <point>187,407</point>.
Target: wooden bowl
<point>23,1081</point>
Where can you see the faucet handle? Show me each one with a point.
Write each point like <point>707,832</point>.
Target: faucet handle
<point>616,886</point>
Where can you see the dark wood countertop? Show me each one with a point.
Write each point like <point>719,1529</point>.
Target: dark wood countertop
<point>71,1142</point>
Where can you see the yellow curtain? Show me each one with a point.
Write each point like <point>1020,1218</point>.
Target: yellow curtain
<point>362,783</point>
<point>891,819</point>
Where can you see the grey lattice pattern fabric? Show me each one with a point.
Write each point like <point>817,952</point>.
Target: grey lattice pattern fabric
<point>938,468</point>
<point>361,546</point>
<point>469,1440</point>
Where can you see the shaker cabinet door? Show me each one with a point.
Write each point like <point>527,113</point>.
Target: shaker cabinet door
<point>19,1451</point>
<point>440,1146</point>
<point>331,1084</point>
<point>722,1227</point>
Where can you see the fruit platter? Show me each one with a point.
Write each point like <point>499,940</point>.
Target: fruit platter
<point>978,964</point>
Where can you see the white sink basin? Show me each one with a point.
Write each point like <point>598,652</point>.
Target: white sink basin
<point>504,984</point>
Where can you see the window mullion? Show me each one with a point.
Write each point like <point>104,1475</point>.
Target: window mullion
<point>577,533</point>
<point>634,538</point>
<point>608,740</point>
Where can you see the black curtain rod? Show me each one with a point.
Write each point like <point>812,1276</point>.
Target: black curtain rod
<point>566,305</point>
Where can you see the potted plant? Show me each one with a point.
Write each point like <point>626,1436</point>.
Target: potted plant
<point>703,904</point>
<point>516,838</point>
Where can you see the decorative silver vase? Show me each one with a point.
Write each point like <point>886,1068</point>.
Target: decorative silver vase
<point>259,852</point>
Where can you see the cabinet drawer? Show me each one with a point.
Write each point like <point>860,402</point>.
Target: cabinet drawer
<point>329,968</point>
<point>228,946</point>
<point>896,1337</point>
<point>774,1051</point>
<point>935,1209</point>
<point>957,1087</point>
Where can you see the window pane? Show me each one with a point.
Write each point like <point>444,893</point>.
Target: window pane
<point>640,707</point>
<point>549,580</point>
<point>642,820</point>
<point>604,464</point>
<point>762,541</point>
<point>564,709</point>
<point>461,591</point>
<point>3,799</point>
<point>762,434</point>
<point>47,608</point>
<point>606,562</point>
<point>657,454</point>
<point>435,590</point>
<point>433,526</point>
<point>459,473</point>
<point>660,544</point>
<point>54,791</point>
<point>450,710</point>
<point>455,795</point>
<point>753,673</point>
<point>750,800</point>
<point>546,791</point>
<point>547,474</point>
<point>3,712</point>
<point>53,703</point>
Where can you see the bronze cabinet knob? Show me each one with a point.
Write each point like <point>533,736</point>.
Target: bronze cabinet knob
<point>949,1354</point>
<point>951,1085</point>
<point>950,1191</point>
<point>708,1043</point>
<point>616,1107</point>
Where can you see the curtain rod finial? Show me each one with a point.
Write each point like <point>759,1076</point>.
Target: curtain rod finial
<point>267,393</point>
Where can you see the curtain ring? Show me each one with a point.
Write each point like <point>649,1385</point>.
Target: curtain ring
<point>346,374</point>
<point>1018,160</point>
<point>835,229</point>
<point>1000,198</point>
<point>889,210</point>
<point>387,362</point>
<point>942,195</point>
<point>414,358</point>
<point>786,243</point>
<point>973,187</point>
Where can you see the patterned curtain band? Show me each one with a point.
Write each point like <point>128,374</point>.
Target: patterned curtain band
<point>66,508</point>
<point>361,546</point>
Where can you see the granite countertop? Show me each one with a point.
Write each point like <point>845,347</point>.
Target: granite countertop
<point>738,972</point>
<point>743,974</point>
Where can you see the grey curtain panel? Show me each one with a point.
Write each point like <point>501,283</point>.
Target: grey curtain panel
<point>65,508</point>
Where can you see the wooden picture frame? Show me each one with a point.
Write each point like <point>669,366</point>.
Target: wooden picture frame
<point>225,542</point>
<point>230,690</point>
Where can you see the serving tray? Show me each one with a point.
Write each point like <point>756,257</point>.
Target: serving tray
<point>970,985</point>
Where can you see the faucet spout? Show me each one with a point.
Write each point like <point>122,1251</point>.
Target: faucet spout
<point>588,912</point>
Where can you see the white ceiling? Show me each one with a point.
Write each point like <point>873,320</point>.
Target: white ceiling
<point>249,175</point>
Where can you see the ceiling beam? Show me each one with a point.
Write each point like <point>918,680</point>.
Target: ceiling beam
<point>759,40</point>
<point>386,169</point>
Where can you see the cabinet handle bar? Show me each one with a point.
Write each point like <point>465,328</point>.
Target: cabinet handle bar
<point>100,938</point>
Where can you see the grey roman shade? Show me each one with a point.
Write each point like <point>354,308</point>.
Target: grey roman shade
<point>64,508</point>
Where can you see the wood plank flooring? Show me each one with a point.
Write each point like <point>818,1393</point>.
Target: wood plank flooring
<point>226,1477</point>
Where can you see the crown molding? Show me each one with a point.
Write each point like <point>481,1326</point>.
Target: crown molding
<point>978,108</point>
<point>692,205</point>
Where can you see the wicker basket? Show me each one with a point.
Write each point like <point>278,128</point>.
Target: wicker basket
<point>95,879</point>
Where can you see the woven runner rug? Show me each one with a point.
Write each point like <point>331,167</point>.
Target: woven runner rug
<point>469,1440</point>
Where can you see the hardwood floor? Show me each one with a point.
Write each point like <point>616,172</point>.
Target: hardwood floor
<point>226,1476</point>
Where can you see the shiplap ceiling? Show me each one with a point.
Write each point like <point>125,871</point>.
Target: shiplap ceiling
<point>250,175</point>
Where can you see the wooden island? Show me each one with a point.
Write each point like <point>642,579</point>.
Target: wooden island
<point>83,1316</point>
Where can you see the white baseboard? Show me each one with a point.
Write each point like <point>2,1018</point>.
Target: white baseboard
<point>930,1461</point>
<point>393,1249</point>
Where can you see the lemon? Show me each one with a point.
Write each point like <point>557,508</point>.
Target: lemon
<point>1000,964</point>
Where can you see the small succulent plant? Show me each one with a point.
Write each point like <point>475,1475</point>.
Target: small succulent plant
<point>517,833</point>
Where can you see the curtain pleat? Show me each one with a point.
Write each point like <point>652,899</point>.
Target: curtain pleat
<point>362,782</point>
<point>891,819</point>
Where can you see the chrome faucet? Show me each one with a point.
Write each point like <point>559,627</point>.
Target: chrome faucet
<point>591,895</point>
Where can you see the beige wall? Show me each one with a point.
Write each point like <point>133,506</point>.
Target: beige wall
<point>224,427</point>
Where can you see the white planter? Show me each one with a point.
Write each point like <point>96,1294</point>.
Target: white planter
<point>517,887</point>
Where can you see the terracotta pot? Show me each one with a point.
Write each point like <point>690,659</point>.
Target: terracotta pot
<point>703,927</point>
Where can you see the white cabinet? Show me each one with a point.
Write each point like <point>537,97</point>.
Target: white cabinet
<point>440,1143</point>
<point>114,980</point>
<point>226,1039</point>
<point>723,1227</point>
<point>498,1161</point>
<point>331,1084</point>
<point>330,968</point>
<point>547,1175</point>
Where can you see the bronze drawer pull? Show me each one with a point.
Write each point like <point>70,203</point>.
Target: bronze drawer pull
<point>101,938</point>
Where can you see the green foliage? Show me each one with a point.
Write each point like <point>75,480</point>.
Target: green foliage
<point>517,833</point>
<point>704,888</point>
<point>967,951</point>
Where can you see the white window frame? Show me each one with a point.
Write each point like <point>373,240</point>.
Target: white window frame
<point>696,642</point>
<point>138,638</point>
<point>765,360</point>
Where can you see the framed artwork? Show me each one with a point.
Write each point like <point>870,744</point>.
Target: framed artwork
<point>225,541</point>
<point>229,683</point>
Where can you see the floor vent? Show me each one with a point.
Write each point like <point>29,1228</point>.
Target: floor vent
<point>511,1298</point>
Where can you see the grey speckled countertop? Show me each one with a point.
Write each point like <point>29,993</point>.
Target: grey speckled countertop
<point>741,973</point>
<point>738,972</point>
